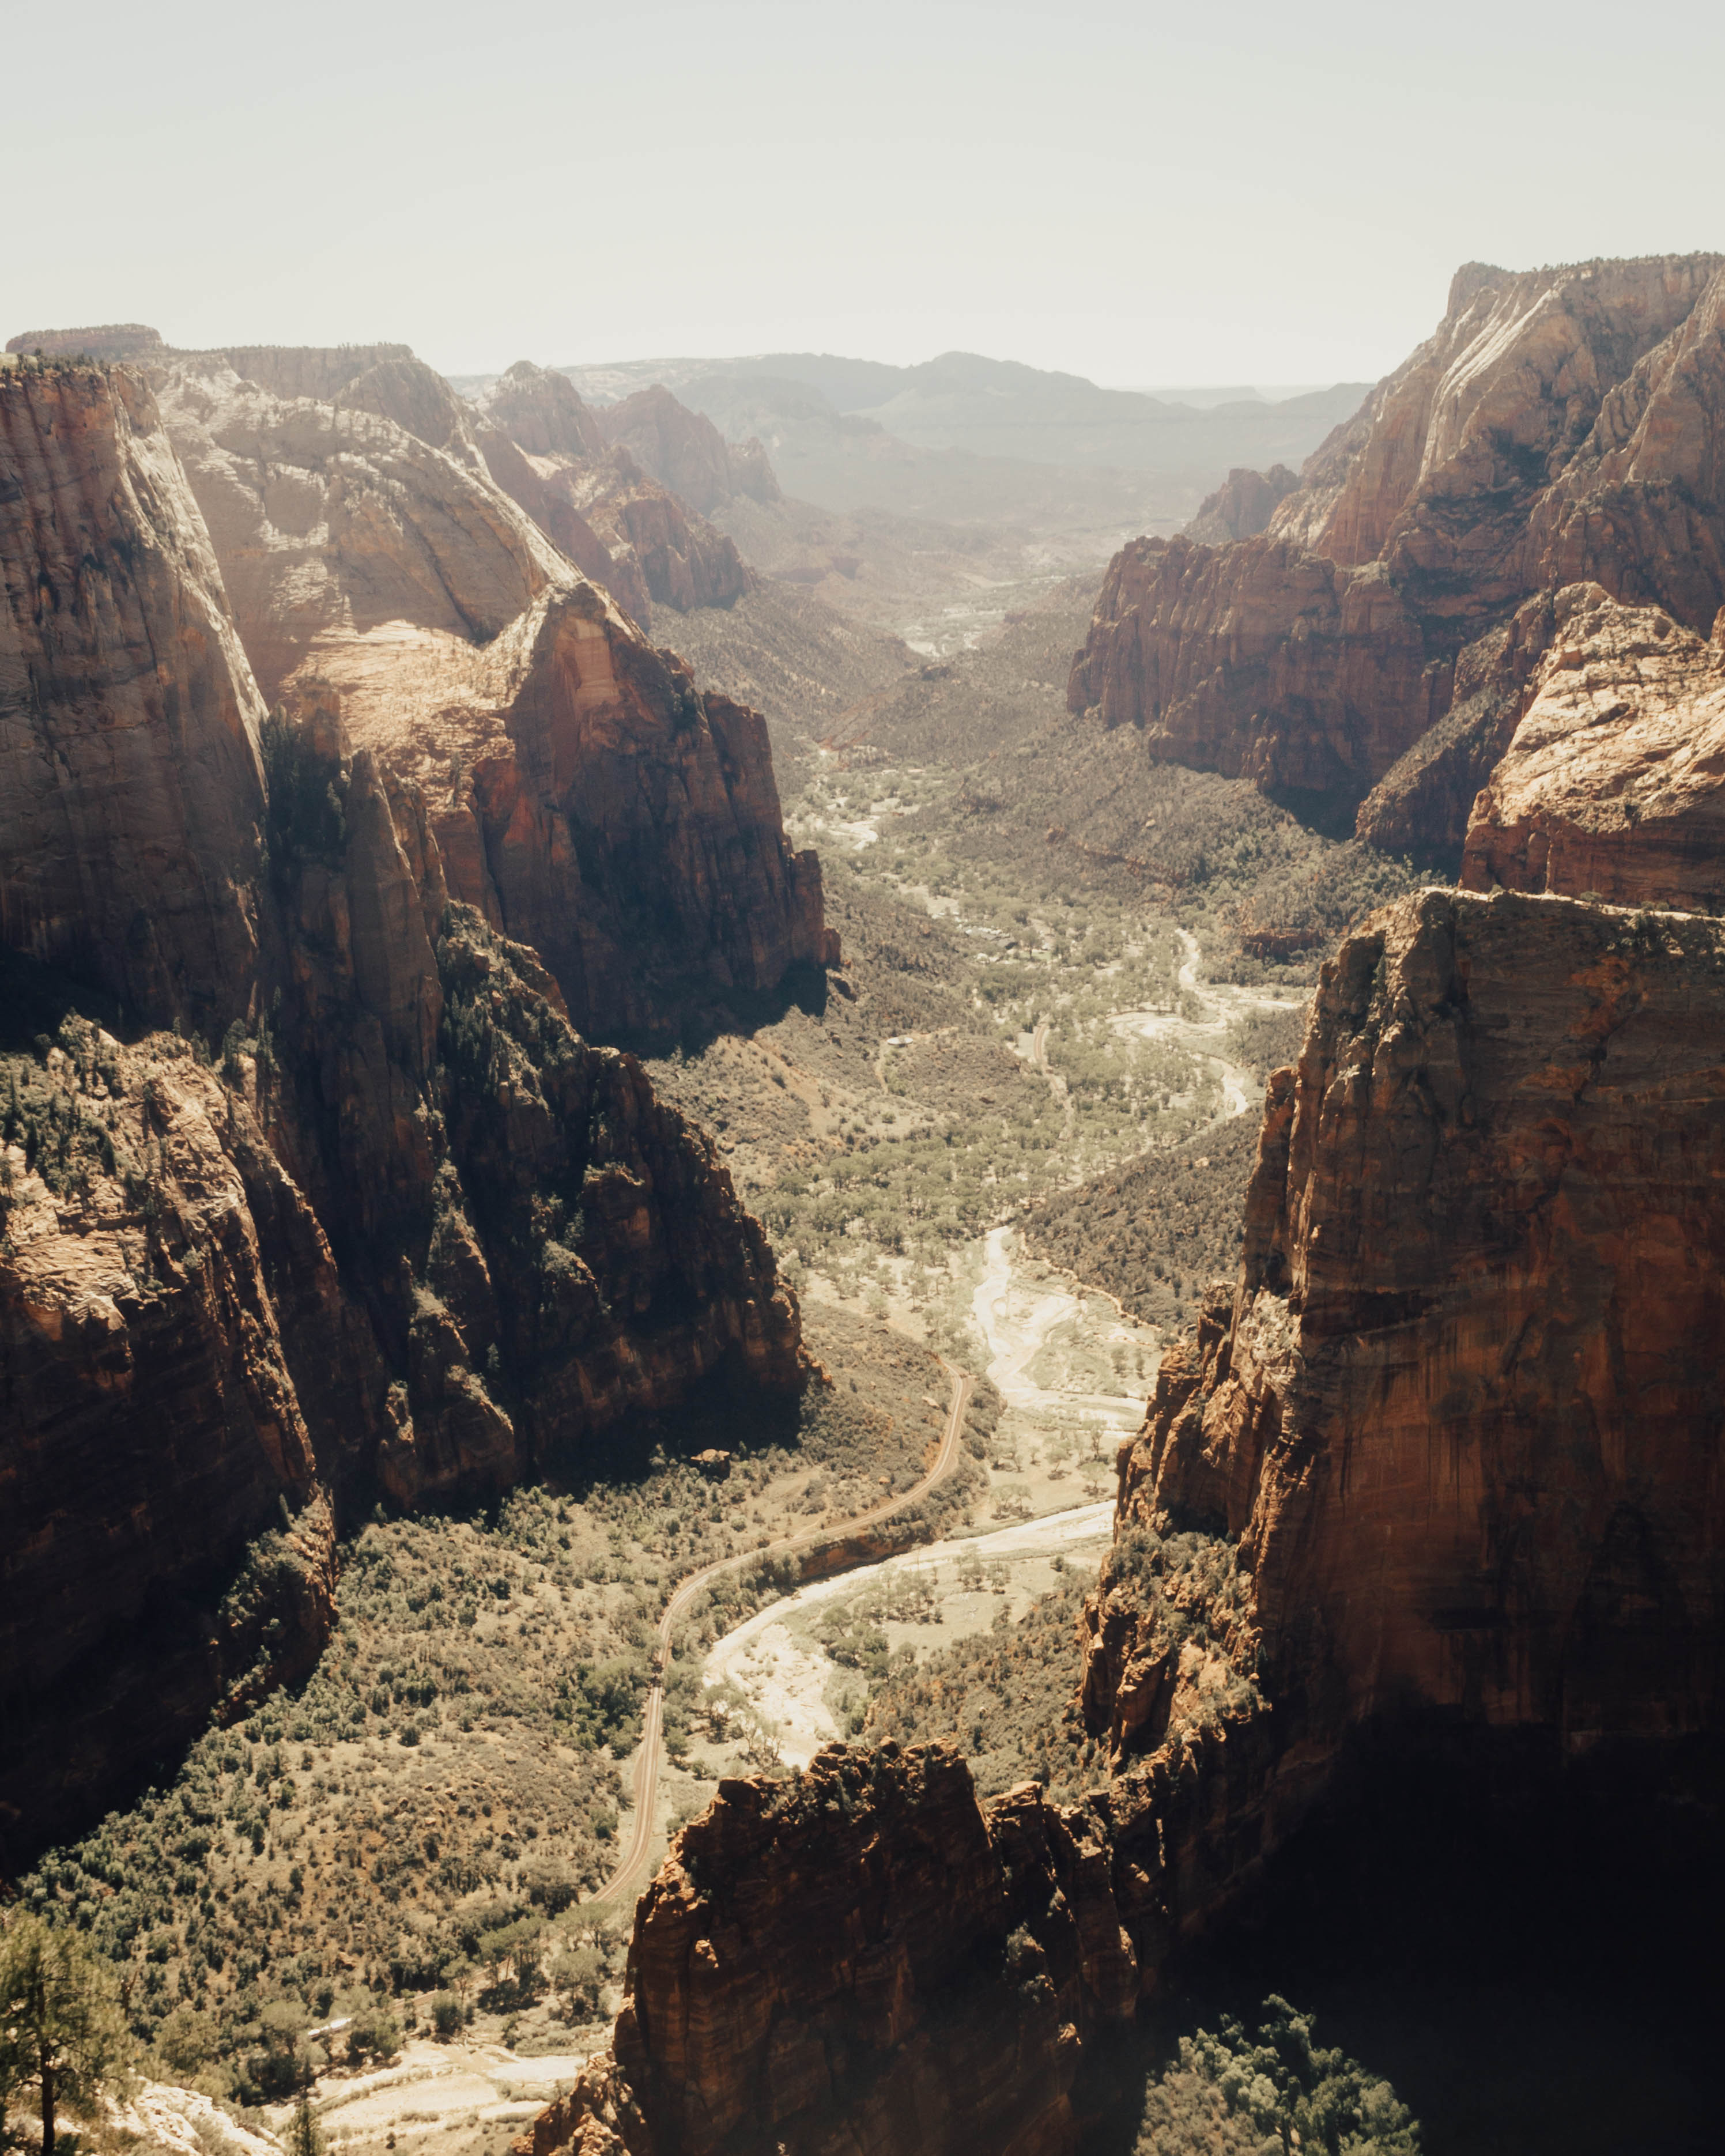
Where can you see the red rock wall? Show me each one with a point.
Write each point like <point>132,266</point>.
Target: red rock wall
<point>1465,1412</point>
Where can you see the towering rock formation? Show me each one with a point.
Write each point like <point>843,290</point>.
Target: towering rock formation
<point>130,794</point>
<point>684,451</point>
<point>1241,506</point>
<point>1465,1413</point>
<point>331,521</point>
<point>417,1230</point>
<point>1445,1459</point>
<point>576,464</point>
<point>586,800</point>
<point>1561,425</point>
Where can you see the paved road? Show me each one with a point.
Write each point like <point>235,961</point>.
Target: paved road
<point>645,1784</point>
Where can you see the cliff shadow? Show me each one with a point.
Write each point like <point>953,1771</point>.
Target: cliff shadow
<point>35,1000</point>
<point>802,986</point>
<point>1527,1950</point>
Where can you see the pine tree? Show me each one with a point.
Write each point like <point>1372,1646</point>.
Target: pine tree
<point>61,2028</point>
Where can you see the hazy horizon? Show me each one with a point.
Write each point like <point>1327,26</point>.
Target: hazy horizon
<point>1123,193</point>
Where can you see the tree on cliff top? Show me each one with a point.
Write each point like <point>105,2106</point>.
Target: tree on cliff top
<point>61,2028</point>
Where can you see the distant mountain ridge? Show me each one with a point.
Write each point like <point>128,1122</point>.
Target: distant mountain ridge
<point>996,407</point>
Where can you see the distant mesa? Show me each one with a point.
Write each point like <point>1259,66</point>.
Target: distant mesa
<point>111,340</point>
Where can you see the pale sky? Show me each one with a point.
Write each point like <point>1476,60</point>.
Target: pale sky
<point>1141,194</point>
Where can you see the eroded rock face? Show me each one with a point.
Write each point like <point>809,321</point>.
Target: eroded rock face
<point>588,801</point>
<point>684,451</point>
<point>861,1959</point>
<point>635,488</point>
<point>331,521</point>
<point>1242,506</point>
<point>1193,644</point>
<point>131,794</point>
<point>530,1243</point>
<point>1464,1412</point>
<point>168,1308</point>
<point>1614,782</point>
<point>1560,425</point>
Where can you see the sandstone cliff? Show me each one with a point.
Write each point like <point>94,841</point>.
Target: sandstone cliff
<point>1560,425</point>
<point>636,488</point>
<point>131,795</point>
<point>1446,1456</point>
<point>1613,782</point>
<point>419,1231</point>
<point>330,520</point>
<point>1464,1413</point>
<point>684,451</point>
<point>585,800</point>
<point>1242,506</point>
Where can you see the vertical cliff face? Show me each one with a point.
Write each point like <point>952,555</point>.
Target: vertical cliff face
<point>415,1231</point>
<point>131,796</point>
<point>1560,425</point>
<point>861,1959</point>
<point>168,1303</point>
<point>588,801</point>
<point>1466,1413</point>
<point>1198,650</point>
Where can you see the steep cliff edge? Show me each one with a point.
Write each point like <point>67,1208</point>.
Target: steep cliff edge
<point>130,794</point>
<point>1463,1414</point>
<point>586,801</point>
<point>1560,425</point>
<point>418,1231</point>
<point>1444,1460</point>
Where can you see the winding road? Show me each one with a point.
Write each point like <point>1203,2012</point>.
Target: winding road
<point>645,1785</point>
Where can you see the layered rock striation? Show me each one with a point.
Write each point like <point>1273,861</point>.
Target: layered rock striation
<point>131,793</point>
<point>1464,1413</point>
<point>1445,1459</point>
<point>587,801</point>
<point>685,452</point>
<point>1561,425</point>
<point>1613,780</point>
<point>376,1218</point>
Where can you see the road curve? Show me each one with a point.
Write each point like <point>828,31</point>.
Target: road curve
<point>645,1784</point>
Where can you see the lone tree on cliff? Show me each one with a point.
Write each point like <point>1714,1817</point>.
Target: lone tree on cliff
<point>61,2029</point>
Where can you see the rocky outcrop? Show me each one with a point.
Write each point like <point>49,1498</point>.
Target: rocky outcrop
<point>1613,785</point>
<point>1242,506</point>
<point>635,489</point>
<point>861,1959</point>
<point>418,1230</point>
<point>682,560</point>
<point>542,412</point>
<point>1560,425</point>
<point>167,1300</point>
<point>1464,1412</point>
<point>331,521</point>
<point>685,452</point>
<point>864,1958</point>
<point>1198,652</point>
<point>586,800</point>
<point>130,794</point>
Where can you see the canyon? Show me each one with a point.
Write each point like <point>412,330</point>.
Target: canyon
<point>354,835</point>
<point>1554,430</point>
